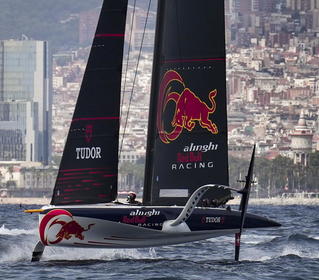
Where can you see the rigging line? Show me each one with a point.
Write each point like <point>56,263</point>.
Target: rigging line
<point>135,74</point>
<point>128,58</point>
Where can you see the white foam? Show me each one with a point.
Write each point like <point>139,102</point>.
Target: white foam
<point>19,251</point>
<point>255,239</point>
<point>22,251</point>
<point>223,239</point>
<point>60,253</point>
<point>315,237</point>
<point>256,254</point>
<point>252,239</point>
<point>16,231</point>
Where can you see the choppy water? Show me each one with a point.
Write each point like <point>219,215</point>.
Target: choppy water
<point>289,252</point>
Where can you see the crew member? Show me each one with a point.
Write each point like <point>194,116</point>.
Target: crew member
<point>131,198</point>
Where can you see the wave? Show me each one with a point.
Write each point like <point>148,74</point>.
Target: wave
<point>21,250</point>
<point>301,252</point>
<point>301,237</point>
<point>316,237</point>
<point>294,245</point>
<point>16,231</point>
<point>259,255</point>
<point>293,239</point>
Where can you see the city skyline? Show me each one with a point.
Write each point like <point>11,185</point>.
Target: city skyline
<point>272,54</point>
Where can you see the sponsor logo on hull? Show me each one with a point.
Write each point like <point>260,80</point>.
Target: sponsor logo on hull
<point>59,224</point>
<point>134,219</point>
<point>141,221</point>
<point>149,213</point>
<point>143,218</point>
<point>212,220</point>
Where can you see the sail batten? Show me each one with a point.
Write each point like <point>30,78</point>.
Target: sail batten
<point>194,60</point>
<point>89,166</point>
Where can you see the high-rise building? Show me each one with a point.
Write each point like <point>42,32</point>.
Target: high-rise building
<point>25,103</point>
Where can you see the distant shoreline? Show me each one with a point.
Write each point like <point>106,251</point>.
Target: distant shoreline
<point>278,201</point>
<point>25,200</point>
<point>252,201</point>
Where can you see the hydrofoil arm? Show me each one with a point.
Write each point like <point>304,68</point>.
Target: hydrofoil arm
<point>193,200</point>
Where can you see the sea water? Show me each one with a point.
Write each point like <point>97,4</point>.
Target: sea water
<point>288,252</point>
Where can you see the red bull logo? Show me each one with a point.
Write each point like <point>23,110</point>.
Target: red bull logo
<point>59,224</point>
<point>189,108</point>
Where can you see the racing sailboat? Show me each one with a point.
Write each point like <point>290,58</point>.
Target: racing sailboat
<point>186,174</point>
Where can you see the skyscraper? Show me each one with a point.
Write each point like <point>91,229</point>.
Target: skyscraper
<point>25,104</point>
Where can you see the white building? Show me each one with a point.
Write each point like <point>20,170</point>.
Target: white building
<point>301,141</point>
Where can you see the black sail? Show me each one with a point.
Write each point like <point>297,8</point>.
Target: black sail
<point>89,166</point>
<point>187,137</point>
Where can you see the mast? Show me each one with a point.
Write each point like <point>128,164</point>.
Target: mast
<point>89,167</point>
<point>152,110</point>
<point>187,136</point>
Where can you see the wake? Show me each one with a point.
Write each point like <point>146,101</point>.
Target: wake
<point>16,245</point>
<point>16,231</point>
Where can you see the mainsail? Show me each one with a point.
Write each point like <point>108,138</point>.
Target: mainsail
<point>187,137</point>
<point>89,166</point>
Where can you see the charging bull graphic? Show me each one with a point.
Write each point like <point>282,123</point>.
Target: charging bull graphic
<point>189,108</point>
<point>69,229</point>
<point>59,224</point>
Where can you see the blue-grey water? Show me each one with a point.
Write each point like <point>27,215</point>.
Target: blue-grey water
<point>288,252</point>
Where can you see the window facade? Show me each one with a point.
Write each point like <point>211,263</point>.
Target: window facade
<point>25,104</point>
